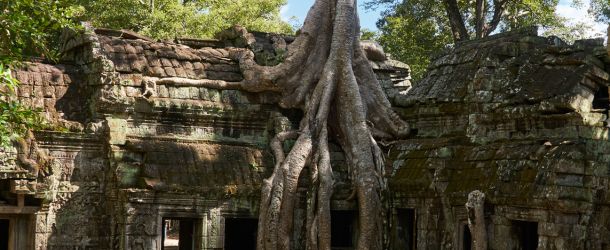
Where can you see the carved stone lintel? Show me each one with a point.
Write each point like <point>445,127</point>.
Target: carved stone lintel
<point>23,187</point>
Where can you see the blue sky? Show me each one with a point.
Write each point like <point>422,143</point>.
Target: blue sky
<point>299,8</point>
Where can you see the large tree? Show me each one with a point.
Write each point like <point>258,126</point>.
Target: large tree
<point>326,75</point>
<point>167,19</point>
<point>412,30</point>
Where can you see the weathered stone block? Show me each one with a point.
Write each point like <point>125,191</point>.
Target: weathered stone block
<point>180,72</point>
<point>25,90</point>
<point>214,95</point>
<point>38,92</point>
<point>183,93</point>
<point>130,49</point>
<point>48,91</point>
<point>166,62</point>
<point>569,180</point>
<point>117,131</point>
<point>194,92</point>
<point>169,71</point>
<point>163,91</point>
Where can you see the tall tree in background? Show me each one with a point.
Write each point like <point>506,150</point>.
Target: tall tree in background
<point>32,28</point>
<point>600,9</point>
<point>167,19</point>
<point>412,30</point>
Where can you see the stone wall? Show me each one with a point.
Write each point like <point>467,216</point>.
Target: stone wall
<point>127,155</point>
<point>519,117</point>
<point>524,120</point>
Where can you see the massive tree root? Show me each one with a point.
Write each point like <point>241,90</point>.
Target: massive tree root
<point>476,219</point>
<point>327,75</point>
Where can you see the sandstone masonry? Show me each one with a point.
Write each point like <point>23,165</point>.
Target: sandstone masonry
<point>521,118</point>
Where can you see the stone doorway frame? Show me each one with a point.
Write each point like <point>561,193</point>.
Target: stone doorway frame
<point>22,227</point>
<point>198,223</point>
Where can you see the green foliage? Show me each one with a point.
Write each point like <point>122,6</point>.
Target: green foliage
<point>15,119</point>
<point>527,13</point>
<point>367,34</point>
<point>600,9</point>
<point>413,30</point>
<point>167,19</point>
<point>31,28</point>
<point>27,28</point>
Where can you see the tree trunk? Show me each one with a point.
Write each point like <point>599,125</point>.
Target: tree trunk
<point>458,27</point>
<point>499,6</point>
<point>325,74</point>
<point>480,18</point>
<point>476,219</point>
<point>608,46</point>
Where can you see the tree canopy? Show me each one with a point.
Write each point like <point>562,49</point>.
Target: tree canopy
<point>27,28</point>
<point>600,9</point>
<point>32,28</point>
<point>167,19</point>
<point>412,30</point>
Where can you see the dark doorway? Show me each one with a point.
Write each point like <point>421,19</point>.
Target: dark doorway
<point>240,233</point>
<point>526,232</point>
<point>186,236</point>
<point>178,234</point>
<point>600,99</point>
<point>466,238</point>
<point>4,234</point>
<point>342,229</point>
<point>406,227</point>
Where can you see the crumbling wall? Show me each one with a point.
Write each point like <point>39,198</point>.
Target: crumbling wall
<point>523,119</point>
<point>129,153</point>
<point>519,117</point>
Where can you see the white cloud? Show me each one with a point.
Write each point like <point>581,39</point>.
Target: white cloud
<point>580,15</point>
<point>284,10</point>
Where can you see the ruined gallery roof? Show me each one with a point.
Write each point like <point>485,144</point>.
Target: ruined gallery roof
<point>521,117</point>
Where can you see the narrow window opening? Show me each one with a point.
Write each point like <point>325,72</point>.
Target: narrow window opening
<point>526,233</point>
<point>466,238</point>
<point>240,233</point>
<point>178,234</point>
<point>342,230</point>
<point>4,234</point>
<point>601,98</point>
<point>407,229</point>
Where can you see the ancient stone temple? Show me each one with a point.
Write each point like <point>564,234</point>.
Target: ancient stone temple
<point>130,162</point>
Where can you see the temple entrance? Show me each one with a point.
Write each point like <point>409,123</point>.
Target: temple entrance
<point>16,232</point>
<point>4,234</point>
<point>601,98</point>
<point>240,233</point>
<point>343,229</point>
<point>466,237</point>
<point>526,234</point>
<point>179,234</point>
<point>406,228</point>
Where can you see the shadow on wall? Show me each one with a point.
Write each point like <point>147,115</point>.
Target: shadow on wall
<point>77,217</point>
